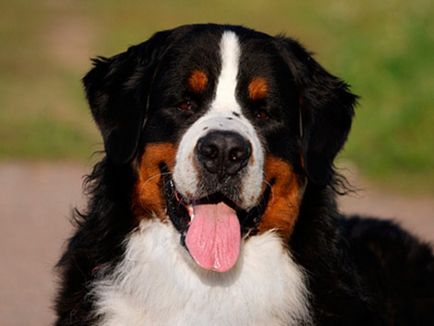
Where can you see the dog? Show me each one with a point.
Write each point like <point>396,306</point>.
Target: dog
<point>214,203</point>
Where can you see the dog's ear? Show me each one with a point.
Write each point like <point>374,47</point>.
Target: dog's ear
<point>117,90</point>
<point>326,110</point>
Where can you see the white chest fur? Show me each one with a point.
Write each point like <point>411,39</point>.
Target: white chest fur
<point>157,283</point>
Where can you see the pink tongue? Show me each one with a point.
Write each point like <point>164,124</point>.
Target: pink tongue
<point>214,236</point>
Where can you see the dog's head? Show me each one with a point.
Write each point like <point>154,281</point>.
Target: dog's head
<point>225,127</point>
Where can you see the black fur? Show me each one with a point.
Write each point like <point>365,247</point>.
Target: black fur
<point>327,109</point>
<point>360,271</point>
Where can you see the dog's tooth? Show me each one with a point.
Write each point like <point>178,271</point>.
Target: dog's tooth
<point>190,211</point>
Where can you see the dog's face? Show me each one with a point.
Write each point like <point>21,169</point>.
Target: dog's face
<point>225,127</point>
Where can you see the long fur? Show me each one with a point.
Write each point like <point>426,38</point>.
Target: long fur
<point>178,292</point>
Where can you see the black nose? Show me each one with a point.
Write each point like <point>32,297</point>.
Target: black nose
<point>223,152</point>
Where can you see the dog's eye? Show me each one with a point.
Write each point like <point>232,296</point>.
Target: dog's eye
<point>262,115</point>
<point>185,106</point>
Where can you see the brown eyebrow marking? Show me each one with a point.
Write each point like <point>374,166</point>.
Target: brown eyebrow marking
<point>258,89</point>
<point>197,81</point>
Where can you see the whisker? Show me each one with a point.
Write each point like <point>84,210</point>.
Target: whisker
<point>155,176</point>
<point>268,184</point>
<point>143,185</point>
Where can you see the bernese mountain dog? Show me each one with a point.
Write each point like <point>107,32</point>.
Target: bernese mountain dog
<point>214,203</point>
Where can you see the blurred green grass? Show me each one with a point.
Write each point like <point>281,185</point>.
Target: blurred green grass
<point>384,49</point>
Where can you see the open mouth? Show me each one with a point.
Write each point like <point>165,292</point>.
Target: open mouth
<point>212,227</point>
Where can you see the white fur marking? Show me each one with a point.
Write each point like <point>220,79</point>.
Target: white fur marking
<point>157,283</point>
<point>225,102</point>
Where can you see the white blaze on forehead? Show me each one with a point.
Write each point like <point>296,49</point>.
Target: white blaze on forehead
<point>227,83</point>
<point>220,117</point>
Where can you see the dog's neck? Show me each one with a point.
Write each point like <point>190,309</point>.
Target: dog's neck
<point>158,283</point>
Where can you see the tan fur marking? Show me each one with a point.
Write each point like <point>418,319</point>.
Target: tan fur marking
<point>283,206</point>
<point>147,197</point>
<point>258,89</point>
<point>197,81</point>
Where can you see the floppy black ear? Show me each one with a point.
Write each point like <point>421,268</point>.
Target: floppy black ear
<point>117,89</point>
<point>326,111</point>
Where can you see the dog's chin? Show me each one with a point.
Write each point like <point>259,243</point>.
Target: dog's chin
<point>211,227</point>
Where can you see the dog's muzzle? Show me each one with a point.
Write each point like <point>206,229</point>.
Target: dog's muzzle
<point>216,196</point>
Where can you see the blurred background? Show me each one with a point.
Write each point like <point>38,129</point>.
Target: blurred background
<point>384,49</point>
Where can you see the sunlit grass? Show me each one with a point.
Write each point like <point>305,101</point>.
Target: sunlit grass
<point>384,49</point>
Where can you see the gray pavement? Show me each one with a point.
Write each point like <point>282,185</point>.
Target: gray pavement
<point>35,204</point>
